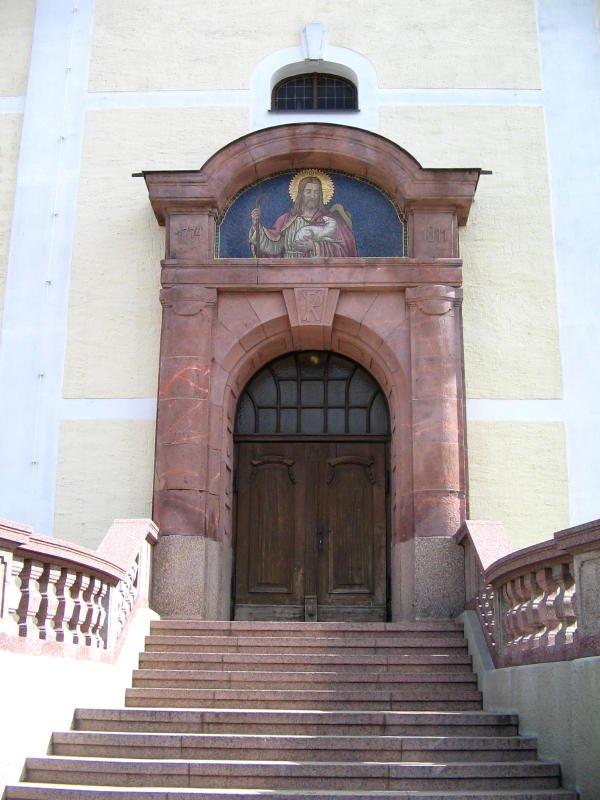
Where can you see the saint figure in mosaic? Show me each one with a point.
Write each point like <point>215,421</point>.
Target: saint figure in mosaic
<point>310,228</point>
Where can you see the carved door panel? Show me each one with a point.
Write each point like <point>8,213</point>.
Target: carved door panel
<point>270,534</point>
<point>311,531</point>
<point>351,565</point>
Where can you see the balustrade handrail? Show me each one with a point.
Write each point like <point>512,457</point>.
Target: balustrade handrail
<point>62,594</point>
<point>538,603</point>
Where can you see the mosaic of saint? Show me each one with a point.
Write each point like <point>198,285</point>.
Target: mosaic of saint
<point>311,213</point>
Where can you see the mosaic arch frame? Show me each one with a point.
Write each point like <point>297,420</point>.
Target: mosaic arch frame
<point>223,318</point>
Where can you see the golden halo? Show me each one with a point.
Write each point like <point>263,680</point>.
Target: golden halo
<point>326,183</point>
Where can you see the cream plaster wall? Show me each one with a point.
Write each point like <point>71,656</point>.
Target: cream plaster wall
<point>518,476</point>
<point>141,45</point>
<point>16,28</point>
<point>10,132</point>
<point>104,470</point>
<point>115,313</point>
<point>509,311</point>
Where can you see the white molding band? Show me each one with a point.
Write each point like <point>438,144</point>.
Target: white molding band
<point>515,410</point>
<point>103,409</point>
<point>12,105</point>
<point>34,322</point>
<point>460,97</point>
<point>168,99</point>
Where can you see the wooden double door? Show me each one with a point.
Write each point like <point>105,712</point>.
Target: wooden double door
<point>311,531</point>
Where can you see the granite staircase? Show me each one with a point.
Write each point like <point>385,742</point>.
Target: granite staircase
<point>242,710</point>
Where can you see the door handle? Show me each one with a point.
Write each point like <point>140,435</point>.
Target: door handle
<point>320,535</point>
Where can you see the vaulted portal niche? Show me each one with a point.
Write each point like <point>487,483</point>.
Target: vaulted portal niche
<point>396,313</point>
<point>311,431</point>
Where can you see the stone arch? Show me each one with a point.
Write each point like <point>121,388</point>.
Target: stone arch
<point>398,317</point>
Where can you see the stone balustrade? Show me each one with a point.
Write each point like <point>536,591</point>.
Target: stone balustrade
<point>57,595</point>
<point>538,604</point>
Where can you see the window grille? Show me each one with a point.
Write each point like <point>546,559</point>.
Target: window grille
<point>312,392</point>
<point>316,92</point>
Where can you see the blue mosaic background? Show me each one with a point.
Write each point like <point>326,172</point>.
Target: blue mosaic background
<point>376,224</point>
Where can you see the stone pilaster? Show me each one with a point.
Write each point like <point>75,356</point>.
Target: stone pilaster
<point>437,409</point>
<point>438,448</point>
<point>182,435</point>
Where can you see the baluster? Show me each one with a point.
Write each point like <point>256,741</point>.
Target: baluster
<point>487,613</point>
<point>13,596</point>
<point>66,605</point>
<point>533,612</point>
<point>79,607</point>
<point>31,598</point>
<point>547,611</point>
<point>127,595</point>
<point>93,612</point>
<point>518,597</point>
<point>509,604</point>
<point>565,604</point>
<point>99,616</point>
<point>49,602</point>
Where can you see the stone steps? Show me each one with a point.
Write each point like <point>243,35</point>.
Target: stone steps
<point>306,723</point>
<point>282,774</point>
<point>301,679</point>
<point>323,747</point>
<point>410,662</point>
<point>347,630</point>
<point>372,645</point>
<point>295,711</point>
<point>52,792</point>
<point>425,699</point>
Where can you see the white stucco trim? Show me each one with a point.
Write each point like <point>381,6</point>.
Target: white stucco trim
<point>34,322</point>
<point>515,410</point>
<point>293,60</point>
<point>570,62</point>
<point>118,408</point>
<point>12,105</point>
<point>168,99</point>
<point>460,97</point>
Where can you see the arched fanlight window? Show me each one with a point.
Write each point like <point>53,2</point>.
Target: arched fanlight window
<point>314,91</point>
<point>312,392</point>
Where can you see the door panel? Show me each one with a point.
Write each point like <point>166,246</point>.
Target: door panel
<point>352,571</point>
<point>311,531</point>
<point>269,573</point>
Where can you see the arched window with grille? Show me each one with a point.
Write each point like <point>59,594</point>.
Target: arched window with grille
<point>314,91</point>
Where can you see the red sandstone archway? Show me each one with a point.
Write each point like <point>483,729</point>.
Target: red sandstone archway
<point>223,319</point>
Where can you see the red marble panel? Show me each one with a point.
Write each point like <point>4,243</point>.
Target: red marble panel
<point>437,467</point>
<point>386,313</point>
<point>252,339</point>
<point>180,512</point>
<point>433,377</point>
<point>434,234</point>
<point>226,349</point>
<point>435,421</point>
<point>181,466</point>
<point>190,236</point>
<point>236,313</point>
<point>355,305</point>
<point>218,381</point>
<point>183,376</point>
<point>215,470</point>
<point>267,306</point>
<point>183,420</point>
<point>213,517</point>
<point>437,513</point>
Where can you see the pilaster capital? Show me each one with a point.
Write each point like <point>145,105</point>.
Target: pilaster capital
<point>187,300</point>
<point>434,300</point>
